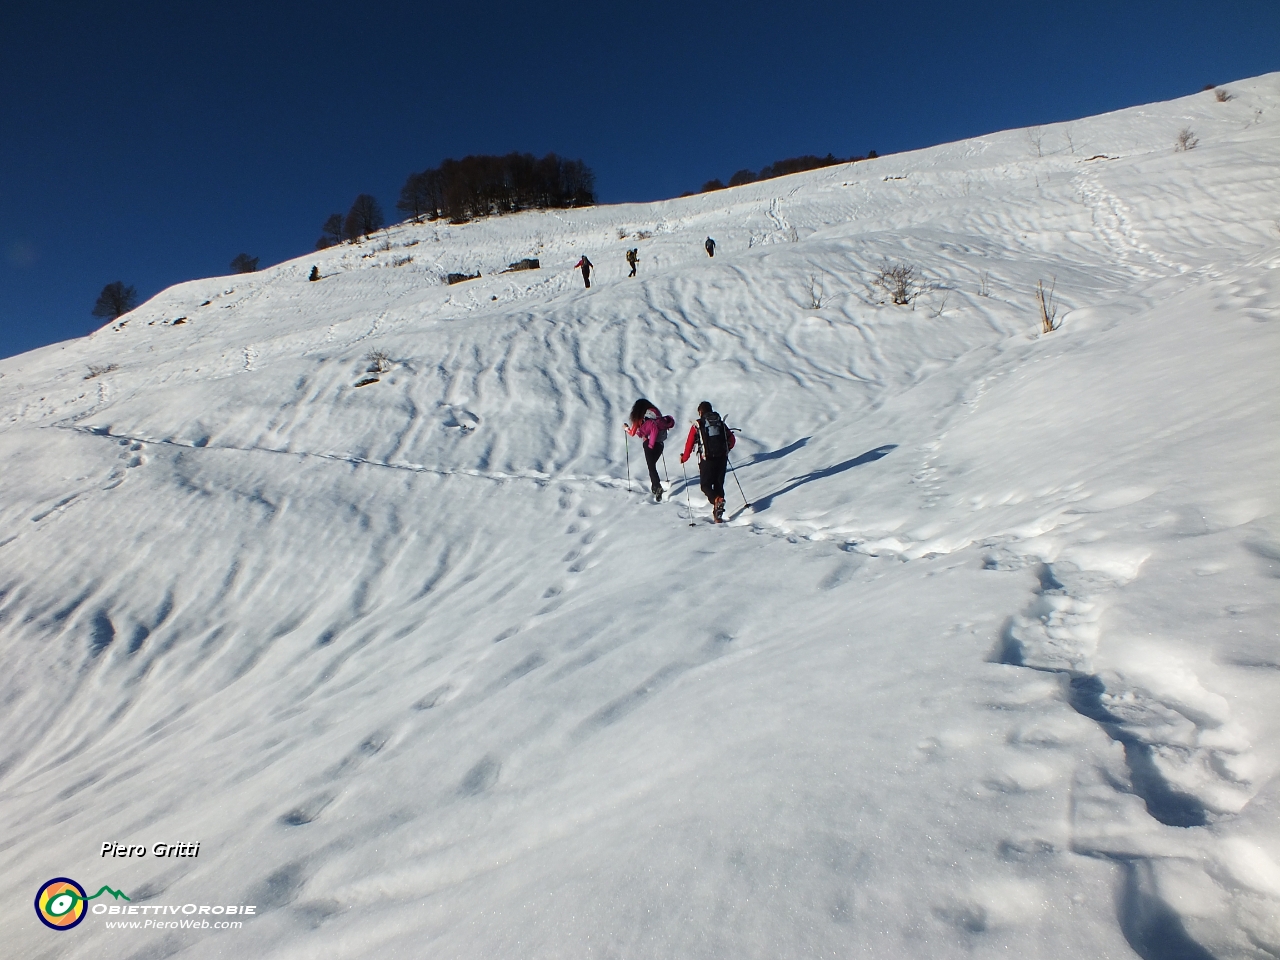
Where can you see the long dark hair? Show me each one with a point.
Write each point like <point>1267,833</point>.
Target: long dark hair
<point>639,409</point>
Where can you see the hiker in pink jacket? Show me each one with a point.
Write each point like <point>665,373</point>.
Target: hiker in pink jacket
<point>648,423</point>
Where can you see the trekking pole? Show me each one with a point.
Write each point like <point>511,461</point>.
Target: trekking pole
<point>745,501</point>
<point>627,441</point>
<point>664,465</point>
<point>687,502</point>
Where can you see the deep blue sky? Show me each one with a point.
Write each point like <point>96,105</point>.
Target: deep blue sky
<point>152,142</point>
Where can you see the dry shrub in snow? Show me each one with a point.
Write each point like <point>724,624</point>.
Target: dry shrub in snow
<point>1036,136</point>
<point>818,298</point>
<point>1187,139</point>
<point>1048,308</point>
<point>379,361</point>
<point>900,281</point>
<point>1223,96</point>
<point>937,311</point>
<point>97,370</point>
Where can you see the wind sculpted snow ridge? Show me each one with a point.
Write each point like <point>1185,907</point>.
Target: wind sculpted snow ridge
<point>989,666</point>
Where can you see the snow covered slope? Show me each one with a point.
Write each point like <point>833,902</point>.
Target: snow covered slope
<point>990,668</point>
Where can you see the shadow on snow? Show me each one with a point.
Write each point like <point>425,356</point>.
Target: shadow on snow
<point>763,503</point>
<point>775,454</point>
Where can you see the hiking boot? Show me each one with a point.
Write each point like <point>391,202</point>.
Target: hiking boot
<point>717,510</point>
<point>657,491</point>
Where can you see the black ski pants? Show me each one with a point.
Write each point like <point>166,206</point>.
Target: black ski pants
<point>586,276</point>
<point>711,473</point>
<point>651,457</point>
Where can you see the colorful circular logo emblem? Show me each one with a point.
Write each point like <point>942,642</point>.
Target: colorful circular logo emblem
<point>60,904</point>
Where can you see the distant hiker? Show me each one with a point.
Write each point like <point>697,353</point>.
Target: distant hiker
<point>711,247</point>
<point>586,265</point>
<point>633,257</point>
<point>648,422</point>
<point>714,440</point>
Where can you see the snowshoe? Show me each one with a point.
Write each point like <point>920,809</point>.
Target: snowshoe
<point>717,510</point>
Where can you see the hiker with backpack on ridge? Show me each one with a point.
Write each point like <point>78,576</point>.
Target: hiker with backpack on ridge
<point>647,422</point>
<point>633,257</point>
<point>714,440</point>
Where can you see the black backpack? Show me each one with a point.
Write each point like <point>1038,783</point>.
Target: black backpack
<point>714,436</point>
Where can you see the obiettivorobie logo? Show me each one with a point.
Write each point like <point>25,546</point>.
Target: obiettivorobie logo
<point>61,903</point>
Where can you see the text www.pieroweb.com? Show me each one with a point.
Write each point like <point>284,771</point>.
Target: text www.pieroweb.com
<point>203,919</point>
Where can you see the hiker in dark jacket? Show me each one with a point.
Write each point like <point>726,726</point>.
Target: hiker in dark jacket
<point>711,247</point>
<point>633,257</point>
<point>647,422</point>
<point>586,265</point>
<point>714,440</point>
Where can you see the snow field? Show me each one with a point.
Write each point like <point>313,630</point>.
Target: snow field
<point>990,667</point>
